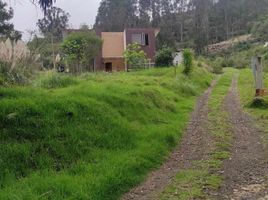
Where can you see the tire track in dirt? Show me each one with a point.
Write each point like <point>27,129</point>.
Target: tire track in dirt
<point>247,167</point>
<point>195,146</point>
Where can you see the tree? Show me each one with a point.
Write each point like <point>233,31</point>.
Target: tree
<point>45,4</point>
<point>15,36</point>
<point>201,20</point>
<point>42,46</point>
<point>116,15</point>
<point>54,22</point>
<point>183,23</point>
<point>260,29</point>
<point>164,57</point>
<point>135,56</point>
<point>81,48</point>
<point>5,15</point>
<point>187,61</point>
<point>144,13</point>
<point>52,25</point>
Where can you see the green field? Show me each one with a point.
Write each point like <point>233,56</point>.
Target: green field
<point>94,136</point>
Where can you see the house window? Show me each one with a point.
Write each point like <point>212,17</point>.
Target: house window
<point>141,39</point>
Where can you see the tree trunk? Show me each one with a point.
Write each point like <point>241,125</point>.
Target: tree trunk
<point>53,51</point>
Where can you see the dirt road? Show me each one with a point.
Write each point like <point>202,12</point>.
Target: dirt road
<point>244,173</point>
<point>194,146</point>
<point>247,168</point>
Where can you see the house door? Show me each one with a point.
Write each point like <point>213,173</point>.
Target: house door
<point>108,67</point>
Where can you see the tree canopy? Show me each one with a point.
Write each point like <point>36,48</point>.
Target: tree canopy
<point>6,14</point>
<point>191,23</point>
<point>81,48</point>
<point>135,56</point>
<point>45,4</point>
<point>54,22</point>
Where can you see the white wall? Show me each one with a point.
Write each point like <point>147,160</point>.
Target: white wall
<point>177,58</point>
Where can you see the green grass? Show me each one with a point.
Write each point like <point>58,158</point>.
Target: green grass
<point>91,137</point>
<point>53,79</point>
<point>194,183</point>
<point>247,92</point>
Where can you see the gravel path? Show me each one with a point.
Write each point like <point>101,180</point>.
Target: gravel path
<point>247,168</point>
<point>245,173</point>
<point>195,146</point>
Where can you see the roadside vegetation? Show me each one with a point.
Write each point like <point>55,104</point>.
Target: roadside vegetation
<point>247,92</point>
<point>94,136</point>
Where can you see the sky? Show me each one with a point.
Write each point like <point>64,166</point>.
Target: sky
<point>26,13</point>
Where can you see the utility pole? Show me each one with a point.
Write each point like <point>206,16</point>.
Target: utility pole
<point>53,51</point>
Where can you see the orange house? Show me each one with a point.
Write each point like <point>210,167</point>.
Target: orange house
<point>111,57</point>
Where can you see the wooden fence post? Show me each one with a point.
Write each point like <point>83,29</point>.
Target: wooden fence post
<point>257,68</point>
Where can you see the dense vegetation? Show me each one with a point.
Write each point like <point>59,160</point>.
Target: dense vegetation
<point>94,136</point>
<point>193,23</point>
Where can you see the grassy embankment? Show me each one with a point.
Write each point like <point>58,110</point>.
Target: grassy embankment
<point>92,137</point>
<point>194,183</point>
<point>247,92</point>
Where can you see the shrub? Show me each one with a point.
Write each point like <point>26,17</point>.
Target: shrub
<point>242,46</point>
<point>187,61</point>
<point>199,64</point>
<point>217,69</point>
<point>17,64</point>
<point>266,56</point>
<point>217,65</point>
<point>2,78</point>
<point>135,56</point>
<point>164,57</point>
<point>230,62</point>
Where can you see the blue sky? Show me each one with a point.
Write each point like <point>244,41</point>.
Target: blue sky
<point>26,14</point>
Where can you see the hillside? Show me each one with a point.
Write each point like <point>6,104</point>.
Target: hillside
<point>94,136</point>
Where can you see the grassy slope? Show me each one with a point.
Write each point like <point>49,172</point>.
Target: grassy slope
<point>247,92</point>
<point>194,183</point>
<point>93,138</point>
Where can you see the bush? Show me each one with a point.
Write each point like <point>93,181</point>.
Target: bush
<point>217,69</point>
<point>187,61</point>
<point>164,57</point>
<point>242,46</point>
<point>17,63</point>
<point>2,80</point>
<point>222,62</point>
<point>135,56</point>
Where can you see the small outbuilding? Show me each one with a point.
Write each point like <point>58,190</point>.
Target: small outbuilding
<point>177,58</point>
